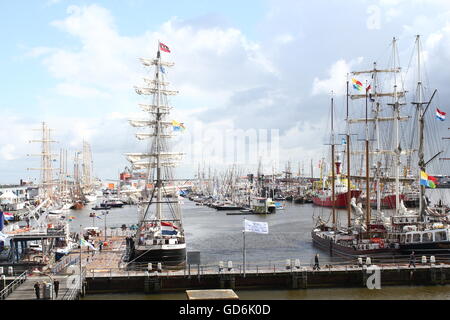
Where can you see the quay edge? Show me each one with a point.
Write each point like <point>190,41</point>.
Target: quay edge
<point>342,277</point>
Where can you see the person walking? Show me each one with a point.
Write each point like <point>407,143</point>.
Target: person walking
<point>56,287</point>
<point>316,262</point>
<point>101,246</point>
<point>412,260</point>
<point>37,290</point>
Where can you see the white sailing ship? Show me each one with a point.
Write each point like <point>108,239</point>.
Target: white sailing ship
<point>160,234</point>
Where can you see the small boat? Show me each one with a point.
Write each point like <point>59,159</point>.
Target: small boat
<point>101,208</point>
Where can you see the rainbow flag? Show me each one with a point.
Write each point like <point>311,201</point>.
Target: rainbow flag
<point>427,181</point>
<point>357,84</point>
<point>177,126</point>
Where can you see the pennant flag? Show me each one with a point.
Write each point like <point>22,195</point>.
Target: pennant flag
<point>440,114</point>
<point>368,88</point>
<point>357,85</point>
<point>162,69</point>
<point>257,227</point>
<point>344,141</point>
<point>164,48</point>
<point>177,126</point>
<point>85,243</point>
<point>427,180</point>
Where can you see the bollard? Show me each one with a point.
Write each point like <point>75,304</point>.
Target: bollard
<point>10,271</point>
<point>432,259</point>
<point>288,264</point>
<point>297,263</point>
<point>220,266</point>
<point>368,261</point>
<point>424,259</point>
<point>230,265</point>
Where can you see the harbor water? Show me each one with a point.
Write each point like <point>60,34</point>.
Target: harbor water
<point>218,237</point>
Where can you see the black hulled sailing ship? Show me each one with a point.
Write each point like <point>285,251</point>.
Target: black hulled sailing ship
<point>425,230</point>
<point>160,234</point>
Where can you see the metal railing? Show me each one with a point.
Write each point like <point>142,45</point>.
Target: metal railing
<point>64,263</point>
<point>76,290</point>
<point>13,285</point>
<point>288,265</point>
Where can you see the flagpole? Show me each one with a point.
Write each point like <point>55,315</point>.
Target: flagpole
<point>243,253</point>
<point>81,234</point>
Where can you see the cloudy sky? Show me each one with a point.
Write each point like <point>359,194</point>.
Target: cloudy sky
<point>256,66</point>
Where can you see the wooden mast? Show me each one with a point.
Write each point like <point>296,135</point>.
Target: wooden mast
<point>332,166</point>
<point>349,192</point>
<point>368,208</point>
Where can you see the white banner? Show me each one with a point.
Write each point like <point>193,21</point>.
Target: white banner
<point>258,227</point>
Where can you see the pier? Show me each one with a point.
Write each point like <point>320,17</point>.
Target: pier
<point>298,278</point>
<point>105,272</point>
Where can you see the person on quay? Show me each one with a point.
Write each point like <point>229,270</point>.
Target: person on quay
<point>316,262</point>
<point>412,260</point>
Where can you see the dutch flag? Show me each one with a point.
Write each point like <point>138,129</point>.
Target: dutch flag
<point>440,115</point>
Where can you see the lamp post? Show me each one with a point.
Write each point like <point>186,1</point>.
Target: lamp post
<point>105,213</point>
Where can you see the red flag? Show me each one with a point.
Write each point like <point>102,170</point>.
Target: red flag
<point>164,48</point>
<point>368,88</point>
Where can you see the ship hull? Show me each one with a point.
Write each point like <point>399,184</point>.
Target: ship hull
<point>168,255</point>
<point>426,248</point>
<point>335,249</point>
<point>340,201</point>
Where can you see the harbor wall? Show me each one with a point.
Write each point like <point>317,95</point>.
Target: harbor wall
<point>332,278</point>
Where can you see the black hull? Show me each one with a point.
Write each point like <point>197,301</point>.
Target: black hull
<point>335,249</point>
<point>426,248</point>
<point>229,208</point>
<point>167,257</point>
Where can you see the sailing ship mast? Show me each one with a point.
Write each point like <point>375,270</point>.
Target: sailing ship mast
<point>333,177</point>
<point>46,180</point>
<point>421,125</point>
<point>158,160</point>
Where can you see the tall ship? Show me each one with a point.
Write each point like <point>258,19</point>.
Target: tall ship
<point>372,232</point>
<point>160,234</point>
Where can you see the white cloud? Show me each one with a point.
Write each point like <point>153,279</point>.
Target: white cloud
<point>336,81</point>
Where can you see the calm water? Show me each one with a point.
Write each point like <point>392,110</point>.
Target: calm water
<point>218,237</point>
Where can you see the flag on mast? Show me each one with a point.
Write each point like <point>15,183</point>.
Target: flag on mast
<point>440,114</point>
<point>163,47</point>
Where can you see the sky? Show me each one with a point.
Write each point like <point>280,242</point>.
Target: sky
<point>263,68</point>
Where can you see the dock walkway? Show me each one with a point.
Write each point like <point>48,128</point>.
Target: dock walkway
<point>68,289</point>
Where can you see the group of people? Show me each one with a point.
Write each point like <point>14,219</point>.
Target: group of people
<point>37,289</point>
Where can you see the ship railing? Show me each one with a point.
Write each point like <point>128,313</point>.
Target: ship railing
<point>13,285</point>
<point>65,262</point>
<point>288,265</point>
